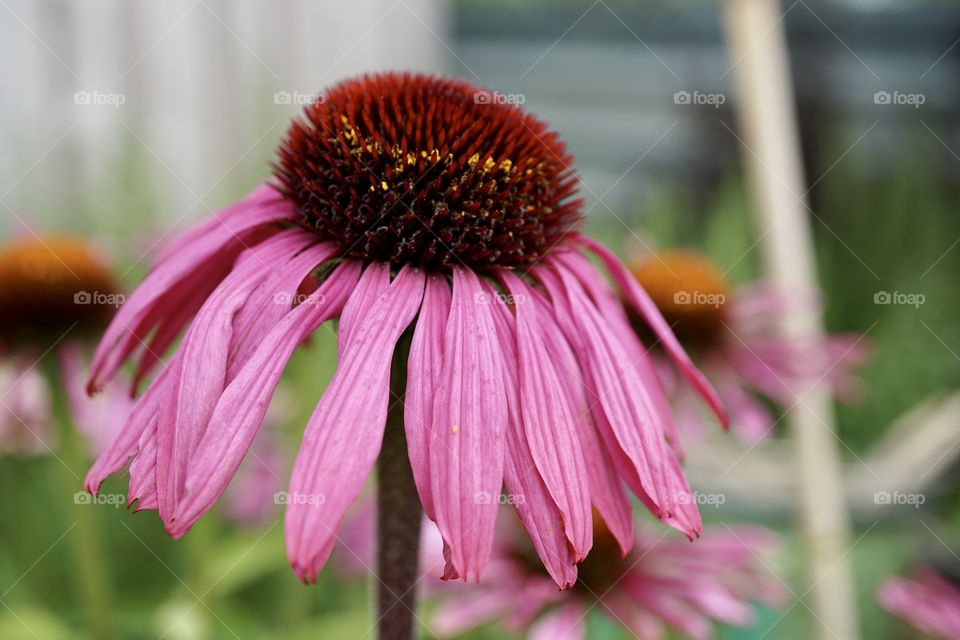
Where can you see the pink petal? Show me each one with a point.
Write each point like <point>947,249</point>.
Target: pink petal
<point>423,373</point>
<point>642,303</point>
<point>204,363</point>
<point>627,415</point>
<point>535,506</point>
<point>467,436</point>
<point>241,409</point>
<point>126,445</point>
<point>143,471</point>
<point>271,301</point>
<point>549,419</point>
<point>607,492</point>
<point>175,282</point>
<point>612,311</point>
<point>343,437</point>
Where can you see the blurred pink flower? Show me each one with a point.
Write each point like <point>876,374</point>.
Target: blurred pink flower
<point>660,583</point>
<point>100,417</point>
<point>733,335</point>
<point>54,291</point>
<point>26,419</point>
<point>522,369</point>
<point>929,602</point>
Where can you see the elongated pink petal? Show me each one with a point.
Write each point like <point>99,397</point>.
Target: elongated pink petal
<point>680,511</point>
<point>627,411</point>
<point>271,301</point>
<point>467,437</point>
<point>143,470</point>
<point>423,373</point>
<point>126,445</point>
<point>642,303</point>
<point>174,282</point>
<point>535,506</point>
<point>204,364</point>
<point>613,312</point>
<point>241,409</point>
<point>343,437</point>
<point>607,493</point>
<point>548,419</point>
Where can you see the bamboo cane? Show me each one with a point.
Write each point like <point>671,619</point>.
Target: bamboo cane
<point>757,44</point>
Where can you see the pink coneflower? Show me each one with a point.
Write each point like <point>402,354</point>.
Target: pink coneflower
<point>662,582</point>
<point>439,225</point>
<point>733,334</point>
<point>929,602</point>
<point>55,292</point>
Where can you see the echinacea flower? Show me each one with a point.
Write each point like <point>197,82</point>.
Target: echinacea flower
<point>410,208</point>
<point>929,602</point>
<point>55,293</point>
<point>733,334</point>
<point>662,582</point>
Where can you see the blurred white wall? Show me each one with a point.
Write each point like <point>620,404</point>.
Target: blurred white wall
<point>105,101</point>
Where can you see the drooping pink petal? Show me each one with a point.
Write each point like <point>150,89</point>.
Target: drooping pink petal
<point>549,419</point>
<point>467,436</point>
<point>241,409</point>
<point>204,363</point>
<point>423,373</point>
<point>536,508</point>
<point>176,281</point>
<point>613,312</point>
<point>143,470</point>
<point>607,493</point>
<point>272,300</point>
<point>627,416</point>
<point>344,435</point>
<point>143,414</point>
<point>647,309</point>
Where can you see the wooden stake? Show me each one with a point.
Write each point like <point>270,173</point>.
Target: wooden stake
<point>762,81</point>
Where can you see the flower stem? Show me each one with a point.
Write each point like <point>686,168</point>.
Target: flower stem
<point>85,551</point>
<point>398,518</point>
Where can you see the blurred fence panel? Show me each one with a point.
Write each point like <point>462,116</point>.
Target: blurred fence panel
<point>174,103</point>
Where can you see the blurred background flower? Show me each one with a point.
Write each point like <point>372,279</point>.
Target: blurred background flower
<point>662,582</point>
<point>733,334</point>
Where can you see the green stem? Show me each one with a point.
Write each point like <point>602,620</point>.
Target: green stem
<point>89,577</point>
<point>398,518</point>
